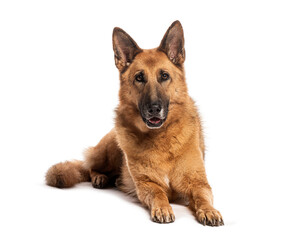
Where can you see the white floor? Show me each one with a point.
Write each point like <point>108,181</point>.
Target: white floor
<point>32,210</point>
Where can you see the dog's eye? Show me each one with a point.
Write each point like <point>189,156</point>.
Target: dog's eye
<point>164,76</point>
<point>140,77</point>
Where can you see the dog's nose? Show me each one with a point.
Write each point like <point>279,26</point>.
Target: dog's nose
<point>154,109</point>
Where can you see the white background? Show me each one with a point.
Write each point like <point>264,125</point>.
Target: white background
<point>59,87</point>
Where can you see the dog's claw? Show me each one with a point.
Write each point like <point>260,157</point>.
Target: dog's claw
<point>210,217</point>
<point>162,215</point>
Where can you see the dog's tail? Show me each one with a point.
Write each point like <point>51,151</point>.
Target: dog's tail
<point>67,174</point>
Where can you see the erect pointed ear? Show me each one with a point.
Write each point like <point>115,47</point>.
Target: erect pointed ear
<point>125,48</point>
<point>172,43</point>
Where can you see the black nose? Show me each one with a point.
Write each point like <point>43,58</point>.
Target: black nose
<point>154,109</point>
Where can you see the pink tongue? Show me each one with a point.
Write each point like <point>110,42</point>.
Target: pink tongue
<point>154,120</point>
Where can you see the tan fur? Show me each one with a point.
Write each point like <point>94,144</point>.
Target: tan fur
<point>156,165</point>
<point>67,174</point>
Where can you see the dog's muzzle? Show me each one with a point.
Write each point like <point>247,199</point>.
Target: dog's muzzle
<point>154,114</point>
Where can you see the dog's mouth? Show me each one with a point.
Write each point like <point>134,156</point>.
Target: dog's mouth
<point>154,122</point>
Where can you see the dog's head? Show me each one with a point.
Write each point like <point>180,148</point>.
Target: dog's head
<point>151,80</point>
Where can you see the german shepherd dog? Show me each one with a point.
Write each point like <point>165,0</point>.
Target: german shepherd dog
<point>156,149</point>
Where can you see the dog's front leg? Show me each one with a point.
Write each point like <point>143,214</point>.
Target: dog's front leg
<point>201,203</point>
<point>190,180</point>
<point>155,198</point>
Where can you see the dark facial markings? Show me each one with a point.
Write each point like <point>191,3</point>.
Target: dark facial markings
<point>154,102</point>
<point>153,107</point>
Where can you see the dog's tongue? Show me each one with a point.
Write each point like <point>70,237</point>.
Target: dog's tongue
<point>154,120</point>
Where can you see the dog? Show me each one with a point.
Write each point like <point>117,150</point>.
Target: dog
<point>156,150</point>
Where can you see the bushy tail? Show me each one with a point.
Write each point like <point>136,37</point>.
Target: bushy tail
<point>67,174</point>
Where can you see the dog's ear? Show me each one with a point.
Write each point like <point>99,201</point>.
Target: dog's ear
<point>172,43</point>
<point>125,49</point>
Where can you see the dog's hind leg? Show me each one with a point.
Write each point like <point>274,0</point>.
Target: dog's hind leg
<point>102,166</point>
<point>104,161</point>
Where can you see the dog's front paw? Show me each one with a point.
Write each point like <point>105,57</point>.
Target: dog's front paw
<point>162,214</point>
<point>210,217</point>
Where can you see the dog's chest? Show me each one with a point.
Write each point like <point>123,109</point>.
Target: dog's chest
<point>166,180</point>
